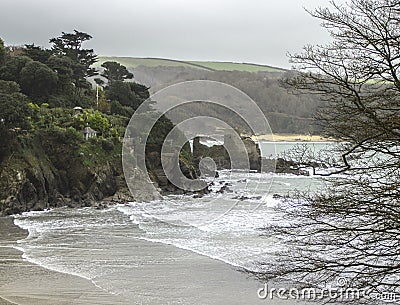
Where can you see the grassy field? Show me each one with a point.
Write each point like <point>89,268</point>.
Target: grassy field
<point>232,66</point>
<point>132,62</point>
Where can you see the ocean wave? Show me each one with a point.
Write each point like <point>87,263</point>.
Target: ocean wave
<point>248,264</point>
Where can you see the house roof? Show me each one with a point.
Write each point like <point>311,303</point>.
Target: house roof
<point>89,130</point>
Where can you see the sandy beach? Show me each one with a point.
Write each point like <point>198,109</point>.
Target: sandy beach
<point>24,283</point>
<point>281,137</point>
<point>181,277</point>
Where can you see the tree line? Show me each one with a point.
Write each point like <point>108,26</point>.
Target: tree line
<point>39,87</point>
<point>286,111</point>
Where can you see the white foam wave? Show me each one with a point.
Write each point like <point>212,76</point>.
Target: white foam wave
<point>235,263</point>
<point>216,226</point>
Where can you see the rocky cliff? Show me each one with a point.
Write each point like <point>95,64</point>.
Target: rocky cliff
<point>49,169</point>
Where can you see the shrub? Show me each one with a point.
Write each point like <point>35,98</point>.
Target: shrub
<point>72,135</point>
<point>107,145</point>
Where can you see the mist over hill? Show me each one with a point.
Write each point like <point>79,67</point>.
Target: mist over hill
<point>286,112</point>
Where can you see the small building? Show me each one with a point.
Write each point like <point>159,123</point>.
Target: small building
<point>89,133</point>
<point>78,110</point>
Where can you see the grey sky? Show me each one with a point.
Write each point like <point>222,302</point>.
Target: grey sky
<point>259,31</point>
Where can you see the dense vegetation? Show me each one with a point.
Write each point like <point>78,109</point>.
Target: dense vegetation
<point>39,89</point>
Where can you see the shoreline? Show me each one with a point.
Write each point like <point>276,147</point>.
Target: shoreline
<point>172,275</point>
<point>6,302</point>
<point>281,137</point>
<point>25,283</point>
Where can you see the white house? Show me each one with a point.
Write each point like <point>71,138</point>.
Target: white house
<point>89,133</point>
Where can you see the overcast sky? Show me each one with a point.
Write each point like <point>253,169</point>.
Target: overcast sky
<point>258,31</point>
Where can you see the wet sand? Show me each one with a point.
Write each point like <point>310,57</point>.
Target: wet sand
<point>22,282</point>
<point>180,277</point>
<point>5,302</point>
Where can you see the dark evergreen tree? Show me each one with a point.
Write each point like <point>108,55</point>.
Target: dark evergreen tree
<point>142,92</point>
<point>37,53</point>
<point>14,113</point>
<point>3,52</point>
<point>70,45</point>
<point>114,71</point>
<point>63,66</point>
<point>123,93</point>
<point>12,68</point>
<point>37,80</point>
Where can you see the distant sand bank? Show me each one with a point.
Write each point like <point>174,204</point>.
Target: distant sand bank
<point>282,137</point>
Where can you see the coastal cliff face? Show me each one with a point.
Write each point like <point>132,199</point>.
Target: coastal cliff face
<point>50,170</point>
<point>220,155</point>
<point>56,168</point>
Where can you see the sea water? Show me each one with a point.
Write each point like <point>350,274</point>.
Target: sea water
<point>97,244</point>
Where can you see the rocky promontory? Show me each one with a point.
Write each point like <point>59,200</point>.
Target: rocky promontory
<point>50,169</point>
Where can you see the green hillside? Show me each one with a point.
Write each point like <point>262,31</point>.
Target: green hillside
<point>132,62</point>
<point>232,66</point>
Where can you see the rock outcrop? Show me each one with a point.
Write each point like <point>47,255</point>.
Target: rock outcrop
<point>219,154</point>
<point>223,155</point>
<point>46,171</point>
<point>282,166</point>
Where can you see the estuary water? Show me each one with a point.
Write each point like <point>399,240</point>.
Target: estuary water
<point>107,246</point>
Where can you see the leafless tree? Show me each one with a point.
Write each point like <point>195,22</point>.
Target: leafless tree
<point>351,228</point>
